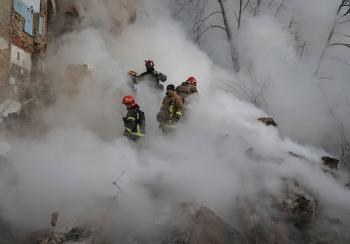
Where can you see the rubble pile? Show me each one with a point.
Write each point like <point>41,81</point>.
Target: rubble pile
<point>299,207</point>
<point>205,227</point>
<point>330,162</point>
<point>292,214</point>
<point>193,225</point>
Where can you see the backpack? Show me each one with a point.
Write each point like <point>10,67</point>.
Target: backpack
<point>183,91</point>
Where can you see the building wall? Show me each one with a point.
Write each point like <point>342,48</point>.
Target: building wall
<point>23,36</point>
<point>29,18</point>
<point>5,51</point>
<point>21,58</point>
<point>5,10</point>
<point>4,66</point>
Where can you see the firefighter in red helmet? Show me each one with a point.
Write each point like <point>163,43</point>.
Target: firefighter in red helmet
<point>134,121</point>
<point>187,88</point>
<point>152,75</point>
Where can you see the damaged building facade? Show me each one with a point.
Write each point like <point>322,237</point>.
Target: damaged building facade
<point>23,40</point>
<point>25,29</point>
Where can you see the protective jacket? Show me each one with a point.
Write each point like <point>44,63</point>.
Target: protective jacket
<point>134,123</point>
<point>186,89</point>
<point>170,111</point>
<point>154,76</point>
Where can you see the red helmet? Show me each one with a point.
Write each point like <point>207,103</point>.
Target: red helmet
<point>192,80</point>
<point>129,100</point>
<point>149,63</point>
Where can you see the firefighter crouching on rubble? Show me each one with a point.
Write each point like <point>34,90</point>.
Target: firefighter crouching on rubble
<point>134,121</point>
<point>170,111</point>
<point>187,88</point>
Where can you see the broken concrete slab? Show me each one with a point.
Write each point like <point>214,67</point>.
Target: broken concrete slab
<point>330,162</point>
<point>190,225</point>
<point>268,121</point>
<point>205,227</point>
<point>299,206</point>
<point>297,155</point>
<point>80,234</point>
<point>9,106</point>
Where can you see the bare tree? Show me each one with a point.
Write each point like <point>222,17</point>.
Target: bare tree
<point>343,16</point>
<point>252,89</point>
<point>256,9</point>
<point>198,9</point>
<point>302,48</point>
<point>233,48</point>
<point>242,8</point>
<point>280,6</point>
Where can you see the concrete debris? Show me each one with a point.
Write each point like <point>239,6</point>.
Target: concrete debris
<point>268,121</point>
<point>79,234</point>
<point>297,155</point>
<point>9,106</point>
<point>198,225</point>
<point>300,207</point>
<point>330,162</point>
<point>205,227</point>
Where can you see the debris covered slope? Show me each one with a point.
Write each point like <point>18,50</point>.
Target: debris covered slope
<point>227,175</point>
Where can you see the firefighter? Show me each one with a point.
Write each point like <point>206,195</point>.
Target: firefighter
<point>134,121</point>
<point>187,88</point>
<point>170,111</point>
<point>151,74</point>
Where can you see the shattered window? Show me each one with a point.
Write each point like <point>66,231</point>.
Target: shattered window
<point>27,8</point>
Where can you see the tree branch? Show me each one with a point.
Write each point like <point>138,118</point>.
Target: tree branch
<point>340,61</point>
<point>279,7</point>
<point>245,6</point>
<point>208,28</point>
<point>340,44</point>
<point>216,12</point>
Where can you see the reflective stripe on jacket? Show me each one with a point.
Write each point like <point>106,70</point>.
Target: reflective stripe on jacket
<point>171,109</point>
<point>134,122</point>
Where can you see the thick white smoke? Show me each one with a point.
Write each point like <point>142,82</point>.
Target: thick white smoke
<point>279,50</point>
<point>206,161</point>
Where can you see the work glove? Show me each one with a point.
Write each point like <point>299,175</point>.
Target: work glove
<point>177,116</point>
